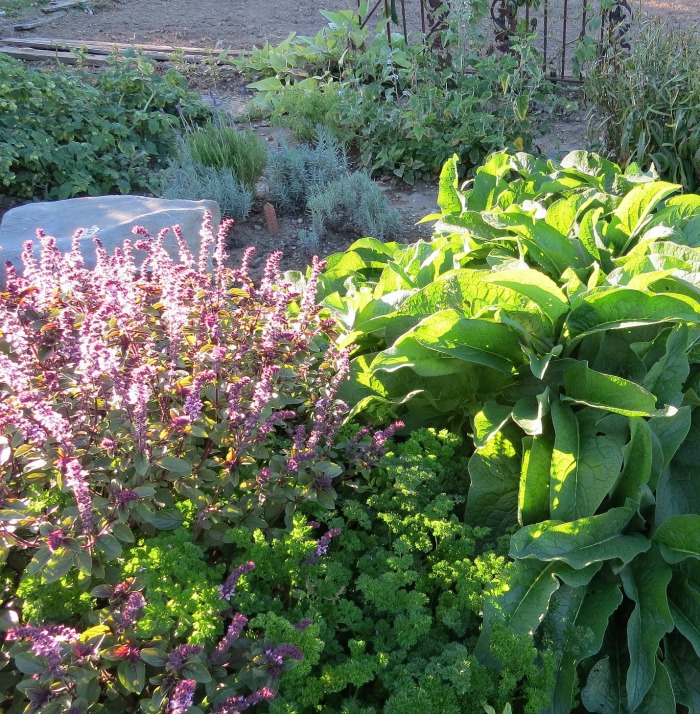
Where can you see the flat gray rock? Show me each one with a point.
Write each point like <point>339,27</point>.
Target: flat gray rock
<point>110,218</point>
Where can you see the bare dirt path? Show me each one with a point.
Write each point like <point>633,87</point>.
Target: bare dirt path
<point>239,24</point>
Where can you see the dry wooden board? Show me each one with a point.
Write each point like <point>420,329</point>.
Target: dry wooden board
<point>31,24</point>
<point>46,56</point>
<point>108,47</point>
<point>31,54</point>
<point>56,6</point>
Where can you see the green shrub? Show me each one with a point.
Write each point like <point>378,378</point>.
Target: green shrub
<point>294,171</point>
<point>405,110</point>
<point>225,147</point>
<point>301,110</point>
<point>72,133</point>
<point>189,179</point>
<point>152,415</point>
<point>353,201</point>
<point>645,103</point>
<point>555,318</point>
<point>392,613</point>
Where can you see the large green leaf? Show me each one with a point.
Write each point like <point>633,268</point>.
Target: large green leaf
<point>678,490</point>
<point>473,294</point>
<point>495,476</point>
<point>537,287</point>
<point>533,494</point>
<point>683,666</point>
<point>585,464</point>
<point>660,697</point>
<point>629,216</point>
<point>591,612</point>
<point>489,421</point>
<point>679,538</point>
<point>487,180</point>
<point>582,542</point>
<point>636,471</point>
<point>604,309</point>
<point>669,372</point>
<point>490,344</point>
<point>604,692</point>
<point>448,195</point>
<point>684,603</point>
<point>549,248</point>
<point>645,581</point>
<point>604,391</point>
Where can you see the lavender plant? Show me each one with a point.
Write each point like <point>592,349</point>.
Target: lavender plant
<point>146,413</point>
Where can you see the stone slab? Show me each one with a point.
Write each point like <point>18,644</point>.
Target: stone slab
<point>110,218</point>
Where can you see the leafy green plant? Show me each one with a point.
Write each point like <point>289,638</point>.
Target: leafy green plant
<point>301,110</point>
<point>189,179</point>
<point>294,171</point>
<point>227,148</point>
<point>555,318</point>
<point>352,201</point>
<point>72,133</point>
<point>388,618</point>
<point>148,413</point>
<point>404,109</point>
<point>644,102</point>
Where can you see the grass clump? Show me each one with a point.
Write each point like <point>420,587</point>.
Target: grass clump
<point>295,171</point>
<point>301,111</point>
<point>356,201</point>
<point>189,179</point>
<point>645,103</point>
<point>225,147</point>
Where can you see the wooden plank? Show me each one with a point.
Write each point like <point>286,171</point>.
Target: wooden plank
<point>63,5</point>
<point>31,24</point>
<point>31,55</point>
<point>49,43</point>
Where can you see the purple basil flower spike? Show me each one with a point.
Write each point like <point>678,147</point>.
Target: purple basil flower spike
<point>228,588</point>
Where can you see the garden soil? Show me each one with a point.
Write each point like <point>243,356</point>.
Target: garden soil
<point>240,24</point>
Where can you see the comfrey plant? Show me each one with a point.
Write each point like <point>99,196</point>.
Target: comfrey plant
<point>145,414</point>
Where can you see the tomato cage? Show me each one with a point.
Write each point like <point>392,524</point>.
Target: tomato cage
<point>558,27</point>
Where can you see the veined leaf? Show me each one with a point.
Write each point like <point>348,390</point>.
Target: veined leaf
<point>533,495</point>
<point>495,476</point>
<point>684,602</point>
<point>604,391</point>
<point>536,286</point>
<point>679,538</point>
<point>489,421</point>
<point>660,697</point>
<point>669,373</point>
<point>671,433</point>
<point>487,180</point>
<point>520,601</point>
<point>585,464</point>
<point>490,344</point>
<point>549,248</point>
<point>636,472</point>
<point>678,490</point>
<point>604,309</point>
<point>448,196</point>
<point>645,581</point>
<point>581,542</point>
<point>471,293</point>
<point>629,216</point>
<point>683,667</point>
<point>591,612</point>
<point>529,412</point>
<point>604,692</point>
